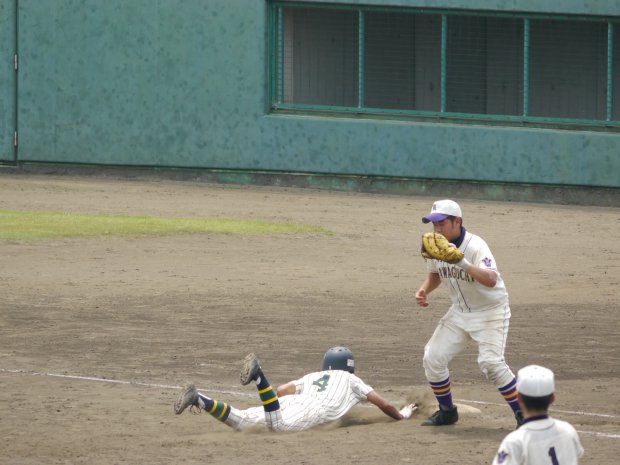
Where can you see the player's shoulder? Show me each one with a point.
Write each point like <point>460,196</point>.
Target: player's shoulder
<point>473,239</point>
<point>334,374</point>
<point>546,424</point>
<point>517,436</point>
<point>345,375</point>
<point>354,376</point>
<point>473,243</point>
<point>512,447</point>
<point>564,426</point>
<point>357,381</point>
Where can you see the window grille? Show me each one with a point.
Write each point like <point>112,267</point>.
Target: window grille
<point>458,65</point>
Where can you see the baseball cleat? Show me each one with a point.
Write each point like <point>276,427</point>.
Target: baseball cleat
<point>187,398</point>
<point>442,417</point>
<point>250,369</point>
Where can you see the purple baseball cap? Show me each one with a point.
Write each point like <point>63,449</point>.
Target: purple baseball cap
<point>442,209</point>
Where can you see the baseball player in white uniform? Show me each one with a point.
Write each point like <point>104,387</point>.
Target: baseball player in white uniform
<point>479,311</point>
<point>316,398</point>
<point>541,440</point>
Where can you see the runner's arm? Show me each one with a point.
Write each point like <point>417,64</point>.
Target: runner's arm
<point>286,389</point>
<point>385,405</point>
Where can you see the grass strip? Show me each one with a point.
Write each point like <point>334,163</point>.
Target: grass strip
<point>20,225</point>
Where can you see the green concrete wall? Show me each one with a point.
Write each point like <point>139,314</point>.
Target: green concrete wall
<point>8,79</point>
<point>185,84</point>
<point>578,7</point>
<point>141,82</point>
<point>441,151</point>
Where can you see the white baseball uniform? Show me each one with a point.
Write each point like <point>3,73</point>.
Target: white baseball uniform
<point>540,441</point>
<point>468,295</point>
<point>477,312</point>
<point>320,397</point>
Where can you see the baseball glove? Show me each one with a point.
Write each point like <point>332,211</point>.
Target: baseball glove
<point>435,245</point>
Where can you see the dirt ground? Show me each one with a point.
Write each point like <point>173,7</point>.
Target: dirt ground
<point>98,334</point>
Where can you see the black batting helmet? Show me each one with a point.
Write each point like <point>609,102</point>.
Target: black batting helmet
<point>339,358</point>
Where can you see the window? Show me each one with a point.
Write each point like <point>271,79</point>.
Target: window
<point>568,69</point>
<point>484,65</point>
<point>500,67</point>
<point>321,60</point>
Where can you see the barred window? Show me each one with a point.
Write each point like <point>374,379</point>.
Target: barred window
<point>568,69</point>
<point>500,67</point>
<point>484,65</point>
<point>320,57</point>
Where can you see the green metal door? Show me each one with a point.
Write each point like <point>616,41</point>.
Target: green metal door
<point>8,81</point>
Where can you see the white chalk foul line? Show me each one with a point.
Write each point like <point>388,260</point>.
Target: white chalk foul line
<point>115,381</point>
<point>599,434</point>
<point>239,393</point>
<point>570,412</point>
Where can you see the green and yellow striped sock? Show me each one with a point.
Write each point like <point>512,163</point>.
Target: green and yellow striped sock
<point>215,408</point>
<point>267,394</point>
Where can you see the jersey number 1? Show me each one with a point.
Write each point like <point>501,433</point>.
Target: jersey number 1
<point>554,459</point>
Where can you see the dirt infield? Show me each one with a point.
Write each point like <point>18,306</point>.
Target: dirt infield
<point>97,334</point>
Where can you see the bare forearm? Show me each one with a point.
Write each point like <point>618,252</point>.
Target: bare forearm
<point>392,411</point>
<point>386,406</point>
<point>431,283</point>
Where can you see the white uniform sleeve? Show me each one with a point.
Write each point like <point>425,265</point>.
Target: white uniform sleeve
<point>483,257</point>
<point>510,451</point>
<point>360,388</point>
<point>578,446</point>
<point>299,384</point>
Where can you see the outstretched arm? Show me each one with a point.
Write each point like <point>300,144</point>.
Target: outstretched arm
<point>389,409</point>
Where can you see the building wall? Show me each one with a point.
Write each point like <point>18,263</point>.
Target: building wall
<point>578,7</point>
<point>141,83</point>
<point>8,79</point>
<point>185,84</point>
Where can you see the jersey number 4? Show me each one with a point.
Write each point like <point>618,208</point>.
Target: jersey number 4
<point>321,384</point>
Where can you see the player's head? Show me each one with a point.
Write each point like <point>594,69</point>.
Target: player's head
<point>339,358</point>
<point>536,387</point>
<point>443,209</point>
<point>447,218</point>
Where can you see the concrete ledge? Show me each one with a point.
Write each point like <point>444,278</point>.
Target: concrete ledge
<point>536,193</point>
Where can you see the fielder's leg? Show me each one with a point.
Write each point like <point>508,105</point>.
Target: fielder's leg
<point>447,340</point>
<point>491,347</point>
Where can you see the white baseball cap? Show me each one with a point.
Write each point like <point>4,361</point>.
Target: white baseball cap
<point>535,381</point>
<point>442,209</point>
